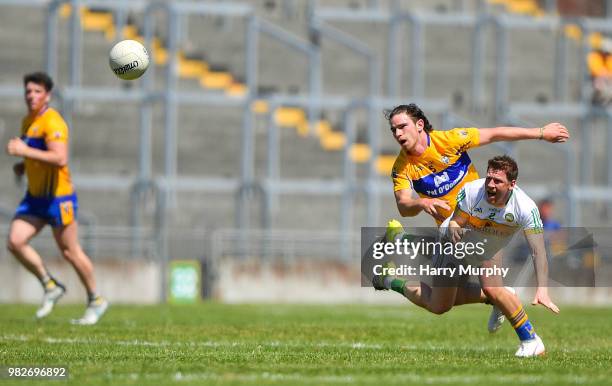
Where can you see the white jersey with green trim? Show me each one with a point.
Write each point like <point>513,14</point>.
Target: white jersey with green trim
<point>520,212</point>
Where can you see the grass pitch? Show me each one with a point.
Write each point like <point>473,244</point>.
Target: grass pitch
<point>221,344</point>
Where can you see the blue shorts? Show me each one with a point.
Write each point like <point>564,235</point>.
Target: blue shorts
<point>56,211</point>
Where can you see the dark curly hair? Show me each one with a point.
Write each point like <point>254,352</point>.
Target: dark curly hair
<point>413,111</point>
<point>39,78</point>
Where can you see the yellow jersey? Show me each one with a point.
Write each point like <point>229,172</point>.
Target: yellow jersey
<point>46,180</point>
<point>442,170</point>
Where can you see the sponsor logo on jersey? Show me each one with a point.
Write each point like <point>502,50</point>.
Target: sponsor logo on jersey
<point>439,184</point>
<point>509,217</point>
<point>438,180</point>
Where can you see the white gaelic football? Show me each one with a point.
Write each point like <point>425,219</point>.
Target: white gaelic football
<point>128,59</point>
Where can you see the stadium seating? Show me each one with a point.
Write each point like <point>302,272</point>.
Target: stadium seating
<point>105,135</point>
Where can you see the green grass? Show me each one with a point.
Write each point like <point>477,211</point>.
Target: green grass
<point>298,344</point>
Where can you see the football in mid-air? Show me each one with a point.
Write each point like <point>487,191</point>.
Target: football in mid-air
<point>128,59</point>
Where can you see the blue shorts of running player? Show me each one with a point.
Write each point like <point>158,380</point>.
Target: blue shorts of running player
<point>56,211</point>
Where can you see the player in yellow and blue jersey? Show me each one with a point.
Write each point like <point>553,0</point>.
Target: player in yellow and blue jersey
<point>50,198</point>
<point>435,164</point>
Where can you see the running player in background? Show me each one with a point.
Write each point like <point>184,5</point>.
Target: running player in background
<point>50,199</point>
<point>435,164</point>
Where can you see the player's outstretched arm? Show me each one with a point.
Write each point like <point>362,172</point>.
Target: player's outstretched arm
<point>409,206</point>
<point>538,251</point>
<point>552,132</point>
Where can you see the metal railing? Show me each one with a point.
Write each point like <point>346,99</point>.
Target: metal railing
<point>164,187</point>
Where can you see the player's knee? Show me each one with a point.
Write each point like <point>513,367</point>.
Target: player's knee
<point>439,309</point>
<point>15,244</point>
<point>70,254</point>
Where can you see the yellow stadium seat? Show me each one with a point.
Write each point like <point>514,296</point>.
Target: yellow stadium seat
<point>216,80</point>
<point>190,68</point>
<point>236,89</point>
<point>573,31</point>
<point>65,11</point>
<point>361,153</point>
<point>333,141</point>
<point>323,127</point>
<point>95,21</point>
<point>260,106</point>
<point>384,164</point>
<point>595,40</point>
<point>160,55</point>
<point>130,31</point>
<point>289,116</point>
<point>526,7</point>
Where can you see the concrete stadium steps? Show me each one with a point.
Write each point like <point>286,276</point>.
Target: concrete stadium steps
<point>105,138</point>
<point>202,210</point>
<point>304,158</point>
<point>22,41</point>
<point>96,207</point>
<point>216,37</point>
<point>323,213</point>
<point>209,141</point>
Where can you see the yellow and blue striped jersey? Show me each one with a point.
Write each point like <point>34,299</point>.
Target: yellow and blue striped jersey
<point>442,170</point>
<point>45,180</point>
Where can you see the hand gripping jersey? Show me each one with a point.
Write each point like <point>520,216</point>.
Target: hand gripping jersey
<point>442,170</point>
<point>45,180</point>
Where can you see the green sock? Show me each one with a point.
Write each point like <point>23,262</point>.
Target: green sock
<point>398,285</point>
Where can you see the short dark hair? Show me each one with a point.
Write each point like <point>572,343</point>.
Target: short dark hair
<point>41,78</point>
<point>413,111</point>
<point>506,164</point>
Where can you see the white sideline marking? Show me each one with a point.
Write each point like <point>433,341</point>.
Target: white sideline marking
<point>295,377</point>
<point>209,343</point>
<point>145,343</point>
